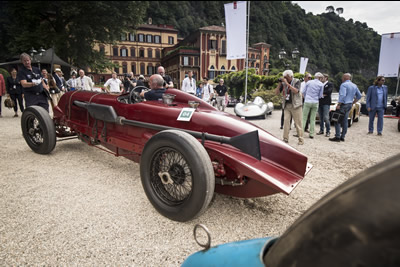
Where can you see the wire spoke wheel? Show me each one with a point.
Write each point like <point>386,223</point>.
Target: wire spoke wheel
<point>171,177</point>
<point>177,175</point>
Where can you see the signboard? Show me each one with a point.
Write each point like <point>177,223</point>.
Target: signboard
<point>235,20</point>
<point>186,114</point>
<point>389,57</point>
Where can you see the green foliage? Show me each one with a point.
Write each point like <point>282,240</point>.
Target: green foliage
<point>331,43</point>
<point>71,27</point>
<point>5,73</point>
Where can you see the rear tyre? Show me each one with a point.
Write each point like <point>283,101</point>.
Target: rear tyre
<point>38,129</point>
<point>177,175</point>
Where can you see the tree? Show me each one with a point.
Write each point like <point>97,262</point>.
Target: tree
<point>330,9</point>
<point>71,27</point>
<point>339,10</point>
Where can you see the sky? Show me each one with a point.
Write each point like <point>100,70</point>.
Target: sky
<point>382,16</point>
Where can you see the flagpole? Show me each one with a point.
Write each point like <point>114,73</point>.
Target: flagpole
<point>398,76</point>
<point>247,50</point>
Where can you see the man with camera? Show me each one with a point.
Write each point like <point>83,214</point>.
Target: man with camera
<point>129,82</point>
<point>289,87</point>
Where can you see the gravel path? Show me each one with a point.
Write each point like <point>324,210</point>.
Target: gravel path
<point>82,206</point>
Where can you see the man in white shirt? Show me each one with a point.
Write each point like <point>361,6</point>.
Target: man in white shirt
<point>189,84</point>
<point>84,82</point>
<point>114,83</point>
<point>208,91</point>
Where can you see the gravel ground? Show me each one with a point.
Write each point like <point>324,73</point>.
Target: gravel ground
<point>81,206</point>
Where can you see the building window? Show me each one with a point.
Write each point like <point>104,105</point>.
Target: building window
<point>222,70</point>
<point>149,38</point>
<point>116,69</point>
<point>102,49</point>
<point>265,57</point>
<point>133,52</point>
<point>141,52</point>
<point>211,73</point>
<point>196,61</point>
<point>252,65</point>
<point>157,39</point>
<point>170,40</point>
<point>258,56</point>
<point>257,66</point>
<point>233,68</point>
<point>123,37</point>
<point>124,52</point>
<point>133,68</point>
<point>124,68</point>
<point>150,70</point>
<point>115,51</point>
<point>185,61</point>
<point>142,69</point>
<point>158,53</point>
<point>149,53</point>
<point>213,44</point>
<point>141,38</point>
<point>132,37</point>
<point>191,61</point>
<point>223,48</point>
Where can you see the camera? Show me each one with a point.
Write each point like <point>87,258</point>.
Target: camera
<point>280,80</point>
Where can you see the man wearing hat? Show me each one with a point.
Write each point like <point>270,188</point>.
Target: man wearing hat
<point>140,81</point>
<point>59,79</point>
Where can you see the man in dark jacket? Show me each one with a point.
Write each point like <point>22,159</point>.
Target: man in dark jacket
<point>324,105</point>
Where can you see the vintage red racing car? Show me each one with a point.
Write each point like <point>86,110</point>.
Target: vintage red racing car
<point>187,149</point>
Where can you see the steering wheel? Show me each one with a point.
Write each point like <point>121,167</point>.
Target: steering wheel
<point>134,94</point>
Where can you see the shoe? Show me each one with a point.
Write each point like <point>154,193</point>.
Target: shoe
<point>379,134</point>
<point>319,133</point>
<point>300,142</point>
<point>370,133</point>
<point>281,127</point>
<point>16,115</point>
<point>285,140</point>
<point>306,131</point>
<point>296,135</point>
<point>342,139</point>
<point>312,137</point>
<point>328,134</point>
<point>334,139</point>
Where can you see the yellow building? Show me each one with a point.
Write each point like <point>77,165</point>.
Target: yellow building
<point>139,51</point>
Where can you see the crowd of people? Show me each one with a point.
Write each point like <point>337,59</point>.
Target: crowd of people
<point>302,101</point>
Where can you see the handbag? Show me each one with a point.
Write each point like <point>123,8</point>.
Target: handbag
<point>9,103</point>
<point>337,116</point>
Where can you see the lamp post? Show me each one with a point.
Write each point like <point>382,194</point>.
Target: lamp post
<point>282,56</point>
<point>34,53</point>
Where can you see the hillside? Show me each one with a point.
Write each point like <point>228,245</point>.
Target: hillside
<point>331,43</point>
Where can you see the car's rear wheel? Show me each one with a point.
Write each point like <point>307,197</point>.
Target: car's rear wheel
<point>38,129</point>
<point>177,175</point>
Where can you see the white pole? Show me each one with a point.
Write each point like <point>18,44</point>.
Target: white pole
<point>397,87</point>
<point>247,50</point>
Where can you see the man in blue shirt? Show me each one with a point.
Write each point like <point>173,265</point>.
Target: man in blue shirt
<point>376,104</point>
<point>348,95</point>
<point>156,83</point>
<point>312,93</point>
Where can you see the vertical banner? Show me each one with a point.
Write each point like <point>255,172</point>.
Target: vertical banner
<point>303,65</point>
<point>235,21</point>
<point>389,57</point>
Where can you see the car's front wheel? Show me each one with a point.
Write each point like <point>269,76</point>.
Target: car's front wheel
<point>38,129</point>
<point>177,175</point>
